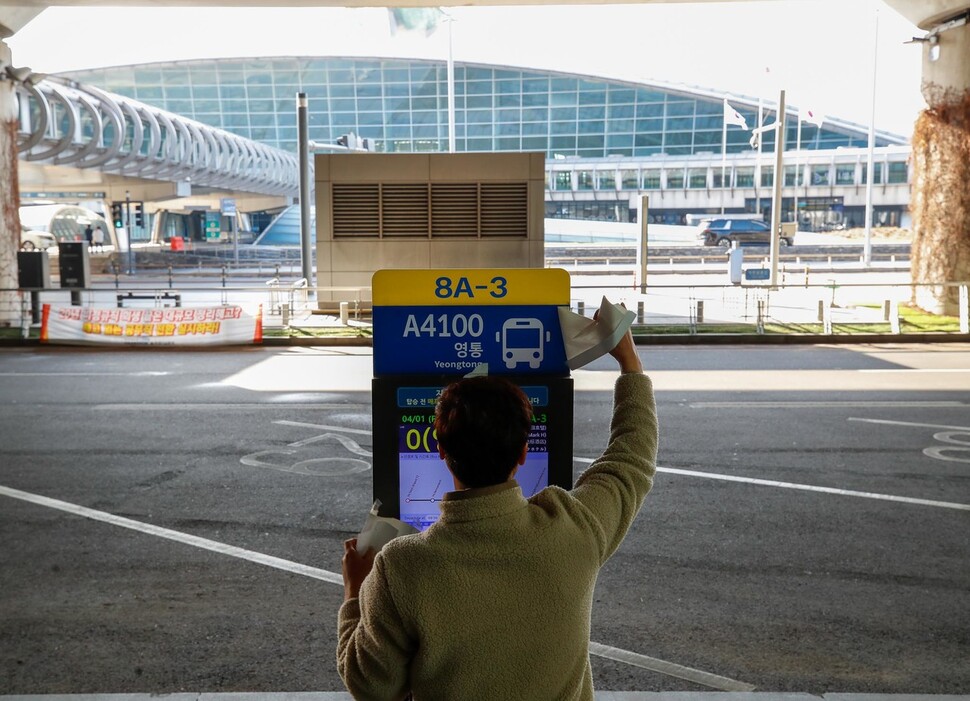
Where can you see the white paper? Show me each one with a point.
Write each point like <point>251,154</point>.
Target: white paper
<point>588,339</point>
<point>380,530</point>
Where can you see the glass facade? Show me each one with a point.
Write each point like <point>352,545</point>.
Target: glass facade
<point>402,106</point>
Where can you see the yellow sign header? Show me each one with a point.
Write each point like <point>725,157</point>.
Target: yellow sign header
<point>471,287</point>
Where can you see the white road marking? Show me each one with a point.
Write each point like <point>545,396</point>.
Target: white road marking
<point>805,487</point>
<point>669,668</point>
<point>937,452</point>
<point>143,373</point>
<point>711,680</point>
<point>177,536</point>
<point>909,423</point>
<point>826,405</point>
<point>956,445</point>
<point>213,406</point>
<point>324,427</point>
<point>897,370</point>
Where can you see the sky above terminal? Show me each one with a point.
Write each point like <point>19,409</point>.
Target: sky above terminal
<point>819,51</point>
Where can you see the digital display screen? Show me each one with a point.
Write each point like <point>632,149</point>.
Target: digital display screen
<point>423,477</point>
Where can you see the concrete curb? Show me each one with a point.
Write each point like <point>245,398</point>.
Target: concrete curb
<point>699,339</point>
<point>599,695</point>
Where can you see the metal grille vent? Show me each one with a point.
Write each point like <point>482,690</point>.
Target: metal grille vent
<point>404,209</point>
<point>420,210</point>
<point>504,209</point>
<point>356,210</point>
<point>454,209</point>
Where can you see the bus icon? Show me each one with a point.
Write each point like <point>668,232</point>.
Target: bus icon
<point>523,341</point>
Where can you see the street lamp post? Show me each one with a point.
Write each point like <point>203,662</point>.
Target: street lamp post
<point>303,130</point>
<point>130,231</point>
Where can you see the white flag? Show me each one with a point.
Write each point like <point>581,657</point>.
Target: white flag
<point>812,117</point>
<point>732,116</point>
<point>422,20</point>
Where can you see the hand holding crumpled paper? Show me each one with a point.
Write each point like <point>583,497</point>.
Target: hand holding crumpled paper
<point>588,339</point>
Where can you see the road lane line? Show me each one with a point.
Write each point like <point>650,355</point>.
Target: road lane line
<point>828,405</point>
<point>909,423</point>
<point>805,487</point>
<point>177,536</point>
<point>631,658</point>
<point>143,373</point>
<point>324,427</point>
<point>203,406</point>
<point>669,668</point>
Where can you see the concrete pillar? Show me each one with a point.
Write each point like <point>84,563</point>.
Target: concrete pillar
<point>9,196</point>
<point>940,201</point>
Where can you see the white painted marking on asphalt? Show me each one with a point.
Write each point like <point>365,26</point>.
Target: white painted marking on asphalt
<point>805,487</point>
<point>937,452</point>
<point>634,659</point>
<point>826,405</point>
<point>616,654</point>
<point>177,536</point>
<point>348,443</point>
<point>213,406</point>
<point>325,427</point>
<point>909,423</point>
<point>143,373</point>
<point>956,445</point>
<point>901,370</point>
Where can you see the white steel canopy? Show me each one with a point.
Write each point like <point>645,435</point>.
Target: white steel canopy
<point>63,123</point>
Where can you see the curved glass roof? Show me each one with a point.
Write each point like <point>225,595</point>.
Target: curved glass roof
<point>402,106</point>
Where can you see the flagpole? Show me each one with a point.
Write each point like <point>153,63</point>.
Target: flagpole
<point>798,165</point>
<point>451,88</point>
<point>777,194</point>
<point>870,175</point>
<point>757,177</point>
<point>723,157</point>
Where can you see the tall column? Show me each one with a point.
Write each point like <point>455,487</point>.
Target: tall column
<point>940,202</point>
<point>9,196</point>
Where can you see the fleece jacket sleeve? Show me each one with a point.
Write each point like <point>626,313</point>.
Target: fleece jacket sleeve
<point>373,648</point>
<point>613,488</point>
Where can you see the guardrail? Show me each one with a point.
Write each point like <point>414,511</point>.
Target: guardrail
<point>816,309</point>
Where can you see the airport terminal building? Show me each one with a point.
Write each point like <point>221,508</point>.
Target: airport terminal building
<point>606,142</point>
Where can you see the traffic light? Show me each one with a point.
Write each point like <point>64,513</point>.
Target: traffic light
<point>118,214</point>
<point>350,141</point>
<point>139,212</point>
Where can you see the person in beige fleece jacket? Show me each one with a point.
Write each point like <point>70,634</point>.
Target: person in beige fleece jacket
<point>493,601</point>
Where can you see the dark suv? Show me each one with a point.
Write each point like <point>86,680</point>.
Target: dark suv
<point>722,232</point>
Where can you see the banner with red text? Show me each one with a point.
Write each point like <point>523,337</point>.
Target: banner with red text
<point>192,326</point>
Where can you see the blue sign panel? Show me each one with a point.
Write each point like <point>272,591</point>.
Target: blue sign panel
<point>512,339</point>
<point>757,274</point>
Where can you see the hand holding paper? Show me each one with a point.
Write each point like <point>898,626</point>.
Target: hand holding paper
<point>380,530</point>
<point>588,339</point>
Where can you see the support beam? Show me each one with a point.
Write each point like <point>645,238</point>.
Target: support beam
<point>9,196</point>
<point>941,170</point>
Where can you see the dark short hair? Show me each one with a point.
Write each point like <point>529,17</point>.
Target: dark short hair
<point>482,424</point>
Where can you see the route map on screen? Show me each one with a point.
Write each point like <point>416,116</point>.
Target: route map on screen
<point>423,476</point>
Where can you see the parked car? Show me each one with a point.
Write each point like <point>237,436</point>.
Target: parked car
<point>31,240</point>
<point>724,232</point>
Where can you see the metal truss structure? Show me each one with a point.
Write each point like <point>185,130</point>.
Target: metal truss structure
<point>63,123</point>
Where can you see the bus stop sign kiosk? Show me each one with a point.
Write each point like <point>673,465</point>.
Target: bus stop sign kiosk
<point>432,327</point>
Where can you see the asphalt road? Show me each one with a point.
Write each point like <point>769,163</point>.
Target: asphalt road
<point>809,529</point>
